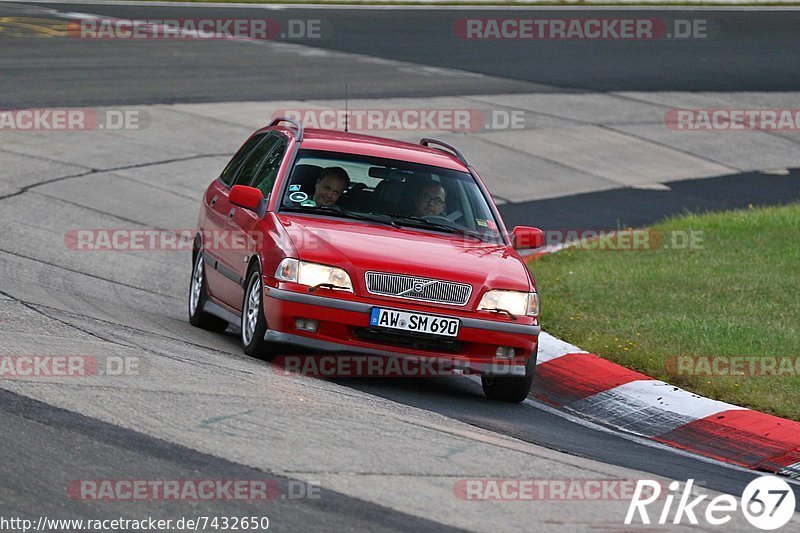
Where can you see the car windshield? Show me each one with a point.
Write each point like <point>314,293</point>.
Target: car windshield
<point>388,191</point>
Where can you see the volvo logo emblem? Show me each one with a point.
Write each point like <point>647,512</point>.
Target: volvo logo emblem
<point>418,286</point>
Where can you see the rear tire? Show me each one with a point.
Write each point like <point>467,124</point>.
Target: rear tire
<point>512,389</point>
<point>198,295</point>
<point>253,324</point>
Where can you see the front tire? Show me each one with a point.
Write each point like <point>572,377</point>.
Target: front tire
<point>198,294</point>
<point>254,325</point>
<point>512,389</point>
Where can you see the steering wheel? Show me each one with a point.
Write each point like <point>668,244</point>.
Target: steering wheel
<point>437,218</point>
<point>452,217</point>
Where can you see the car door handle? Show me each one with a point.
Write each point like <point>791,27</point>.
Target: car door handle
<point>231,212</point>
<point>214,200</point>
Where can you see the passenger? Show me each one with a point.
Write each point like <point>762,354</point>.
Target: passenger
<point>330,186</point>
<point>429,200</point>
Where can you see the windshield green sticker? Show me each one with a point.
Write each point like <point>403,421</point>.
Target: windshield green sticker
<point>481,222</point>
<point>309,203</point>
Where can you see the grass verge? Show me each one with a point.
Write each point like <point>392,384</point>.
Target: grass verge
<point>731,300</point>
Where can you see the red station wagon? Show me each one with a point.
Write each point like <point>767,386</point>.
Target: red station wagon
<point>339,243</point>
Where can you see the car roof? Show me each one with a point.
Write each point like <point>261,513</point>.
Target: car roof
<point>355,143</point>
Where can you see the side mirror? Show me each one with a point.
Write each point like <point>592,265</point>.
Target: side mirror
<point>247,197</point>
<point>524,237</point>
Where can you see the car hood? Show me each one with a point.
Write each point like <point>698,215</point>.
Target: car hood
<point>360,247</point>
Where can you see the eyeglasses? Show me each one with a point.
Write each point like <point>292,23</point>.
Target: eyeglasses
<point>436,201</point>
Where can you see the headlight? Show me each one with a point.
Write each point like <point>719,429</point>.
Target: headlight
<point>516,303</point>
<point>312,274</point>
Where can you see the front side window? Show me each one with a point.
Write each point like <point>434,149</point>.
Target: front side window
<point>235,163</point>
<point>268,171</point>
<point>254,161</point>
<point>396,192</point>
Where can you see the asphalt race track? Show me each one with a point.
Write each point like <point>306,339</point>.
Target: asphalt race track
<point>743,51</point>
<point>384,453</point>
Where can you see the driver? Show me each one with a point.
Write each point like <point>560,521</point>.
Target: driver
<point>330,185</point>
<point>429,200</point>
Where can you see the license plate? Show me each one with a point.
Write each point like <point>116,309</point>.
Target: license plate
<point>416,322</point>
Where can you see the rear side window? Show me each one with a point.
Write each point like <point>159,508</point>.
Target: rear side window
<point>258,156</point>
<point>231,170</point>
<point>268,171</point>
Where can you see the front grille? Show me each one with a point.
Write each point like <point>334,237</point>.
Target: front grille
<point>412,288</point>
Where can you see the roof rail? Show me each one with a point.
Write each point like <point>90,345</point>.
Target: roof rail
<point>296,124</point>
<point>441,144</point>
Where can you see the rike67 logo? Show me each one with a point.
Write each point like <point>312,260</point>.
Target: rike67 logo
<point>767,502</point>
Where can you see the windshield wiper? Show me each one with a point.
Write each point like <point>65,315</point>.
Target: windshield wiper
<point>423,222</point>
<point>341,213</point>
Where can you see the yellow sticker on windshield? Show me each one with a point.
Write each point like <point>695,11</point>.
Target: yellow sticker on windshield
<point>481,222</point>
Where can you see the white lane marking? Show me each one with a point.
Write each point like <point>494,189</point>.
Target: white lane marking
<point>775,171</point>
<point>649,407</point>
<point>632,437</point>
<point>644,441</point>
<point>552,348</point>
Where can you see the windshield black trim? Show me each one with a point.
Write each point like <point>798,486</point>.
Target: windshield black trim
<point>421,222</point>
<point>291,161</point>
<point>341,213</point>
<point>501,228</point>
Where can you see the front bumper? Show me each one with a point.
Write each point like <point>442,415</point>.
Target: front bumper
<point>343,327</point>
